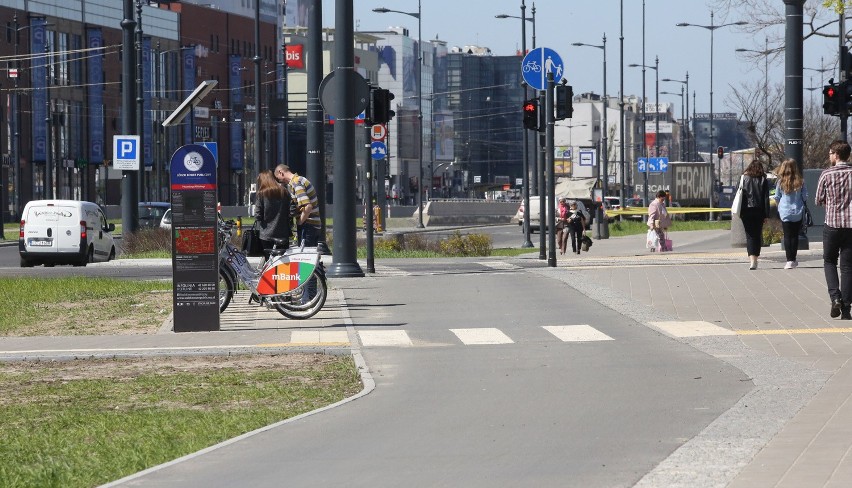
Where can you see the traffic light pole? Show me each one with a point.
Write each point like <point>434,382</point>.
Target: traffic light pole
<point>844,79</point>
<point>551,187</point>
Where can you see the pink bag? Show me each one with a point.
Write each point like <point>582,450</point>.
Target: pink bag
<point>665,245</point>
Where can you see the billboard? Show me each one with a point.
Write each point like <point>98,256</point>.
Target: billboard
<point>443,137</point>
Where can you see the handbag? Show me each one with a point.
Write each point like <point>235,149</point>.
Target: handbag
<point>665,244</point>
<point>651,240</point>
<point>251,241</point>
<point>807,218</point>
<point>737,203</point>
<point>585,242</point>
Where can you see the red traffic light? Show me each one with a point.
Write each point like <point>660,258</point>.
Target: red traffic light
<point>830,91</point>
<point>529,107</point>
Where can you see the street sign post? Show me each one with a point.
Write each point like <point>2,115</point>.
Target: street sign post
<point>126,153</point>
<point>537,63</point>
<point>653,165</point>
<point>378,150</point>
<point>378,132</point>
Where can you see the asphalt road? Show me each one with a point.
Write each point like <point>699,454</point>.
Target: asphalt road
<point>532,412</point>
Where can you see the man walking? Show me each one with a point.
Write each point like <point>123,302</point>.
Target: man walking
<point>308,223</point>
<point>834,192</point>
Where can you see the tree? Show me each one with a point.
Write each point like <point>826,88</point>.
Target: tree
<point>820,17</point>
<point>766,119</point>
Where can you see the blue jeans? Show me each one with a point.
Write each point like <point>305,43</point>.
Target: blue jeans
<point>837,243</point>
<point>310,235</point>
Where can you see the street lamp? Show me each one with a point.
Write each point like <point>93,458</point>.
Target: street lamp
<point>656,69</point>
<point>526,160</point>
<point>765,53</point>
<point>681,95</point>
<point>712,27</point>
<point>417,15</point>
<point>685,83</point>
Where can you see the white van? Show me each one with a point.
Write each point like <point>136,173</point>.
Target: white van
<point>64,232</point>
<point>535,213</point>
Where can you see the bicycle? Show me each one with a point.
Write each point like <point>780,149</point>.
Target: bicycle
<point>532,66</point>
<point>279,282</point>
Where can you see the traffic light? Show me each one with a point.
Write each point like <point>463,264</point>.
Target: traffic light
<point>564,101</point>
<point>381,112</point>
<point>531,114</point>
<point>720,151</point>
<point>833,97</point>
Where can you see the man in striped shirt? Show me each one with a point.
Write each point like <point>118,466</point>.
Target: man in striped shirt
<point>308,223</point>
<point>834,192</point>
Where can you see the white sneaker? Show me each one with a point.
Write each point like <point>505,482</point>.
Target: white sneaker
<point>789,265</point>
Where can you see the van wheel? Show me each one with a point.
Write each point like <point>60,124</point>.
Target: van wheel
<point>111,254</point>
<point>25,263</point>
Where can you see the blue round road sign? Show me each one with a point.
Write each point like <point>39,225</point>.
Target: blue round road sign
<point>378,150</point>
<point>537,63</point>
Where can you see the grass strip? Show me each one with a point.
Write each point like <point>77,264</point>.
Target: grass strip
<point>84,423</point>
<point>82,305</point>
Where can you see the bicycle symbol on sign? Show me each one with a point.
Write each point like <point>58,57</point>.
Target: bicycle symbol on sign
<point>532,66</point>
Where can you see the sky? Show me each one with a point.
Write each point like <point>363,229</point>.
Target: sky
<point>559,23</point>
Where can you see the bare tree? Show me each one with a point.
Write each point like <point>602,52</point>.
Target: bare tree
<point>820,18</point>
<point>765,116</point>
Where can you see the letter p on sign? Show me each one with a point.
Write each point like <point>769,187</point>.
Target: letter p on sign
<point>126,153</point>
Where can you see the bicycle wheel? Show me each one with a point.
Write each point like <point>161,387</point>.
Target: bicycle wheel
<point>298,311</point>
<point>226,289</point>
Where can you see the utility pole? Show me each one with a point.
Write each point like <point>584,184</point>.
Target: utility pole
<point>129,186</point>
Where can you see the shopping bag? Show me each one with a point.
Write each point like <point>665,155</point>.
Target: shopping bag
<point>664,245</point>
<point>251,242</point>
<point>652,240</point>
<point>737,203</point>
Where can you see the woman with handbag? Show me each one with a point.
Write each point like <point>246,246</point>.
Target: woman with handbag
<point>791,195</point>
<point>272,212</point>
<point>659,220</point>
<point>561,224</point>
<point>576,226</point>
<point>754,211</point>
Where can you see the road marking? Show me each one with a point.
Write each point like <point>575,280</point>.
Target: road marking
<point>481,336</point>
<point>577,333</point>
<point>824,330</point>
<point>694,328</point>
<point>380,338</point>
<point>319,336</point>
<point>501,265</point>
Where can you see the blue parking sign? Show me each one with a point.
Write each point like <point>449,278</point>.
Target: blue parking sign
<point>125,150</point>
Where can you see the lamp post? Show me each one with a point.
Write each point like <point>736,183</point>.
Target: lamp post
<point>656,69</point>
<point>682,96</point>
<point>417,15</point>
<point>604,149</point>
<point>526,160</point>
<point>688,153</point>
<point>712,27</point>
<point>765,53</point>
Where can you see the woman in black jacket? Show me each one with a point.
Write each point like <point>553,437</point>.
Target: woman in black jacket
<point>272,210</point>
<point>755,209</point>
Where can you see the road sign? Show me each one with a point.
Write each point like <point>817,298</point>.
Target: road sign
<point>378,150</point>
<point>125,150</point>
<point>328,91</point>
<point>13,72</point>
<point>537,63</point>
<point>653,165</point>
<point>378,132</point>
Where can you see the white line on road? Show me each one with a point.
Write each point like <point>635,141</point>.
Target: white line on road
<point>694,328</point>
<point>577,333</point>
<point>485,335</point>
<point>381,338</point>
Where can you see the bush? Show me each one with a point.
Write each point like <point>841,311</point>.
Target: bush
<point>772,232</point>
<point>466,245</point>
<point>147,240</point>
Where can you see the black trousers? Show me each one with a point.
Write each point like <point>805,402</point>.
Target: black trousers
<point>753,224</point>
<point>791,238</point>
<point>837,243</point>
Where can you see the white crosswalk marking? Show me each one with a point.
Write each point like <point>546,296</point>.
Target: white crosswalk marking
<point>692,329</point>
<point>577,333</point>
<point>319,337</point>
<point>380,338</point>
<point>503,265</point>
<point>482,336</point>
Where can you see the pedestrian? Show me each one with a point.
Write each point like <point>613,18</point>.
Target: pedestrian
<point>563,212</point>
<point>272,210</point>
<point>308,225</point>
<point>790,195</point>
<point>755,209</point>
<point>658,219</point>
<point>834,192</point>
<point>576,227</point>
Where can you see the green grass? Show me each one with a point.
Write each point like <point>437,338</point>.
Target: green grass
<point>633,227</point>
<point>77,305</point>
<point>84,423</point>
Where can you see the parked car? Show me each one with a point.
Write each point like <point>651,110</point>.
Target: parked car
<point>64,232</point>
<point>151,214</point>
<point>632,203</point>
<point>535,216</point>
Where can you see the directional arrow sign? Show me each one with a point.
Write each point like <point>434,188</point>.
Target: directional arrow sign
<point>663,164</point>
<point>642,165</point>
<point>378,150</point>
